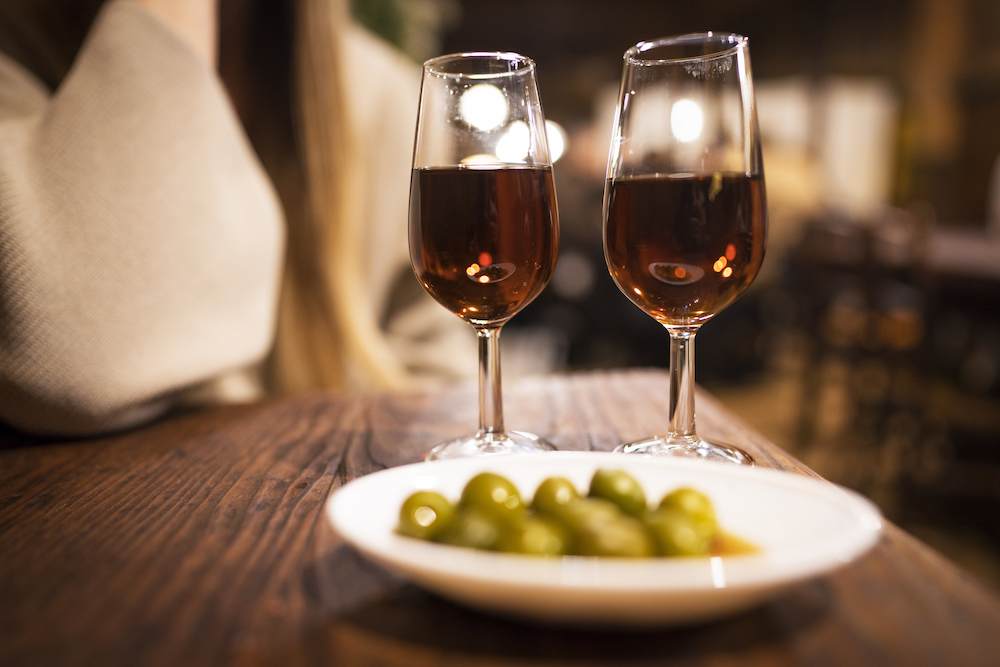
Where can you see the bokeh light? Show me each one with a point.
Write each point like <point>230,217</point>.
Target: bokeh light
<point>686,120</point>
<point>483,106</point>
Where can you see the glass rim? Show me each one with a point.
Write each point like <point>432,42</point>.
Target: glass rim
<point>730,43</point>
<point>524,64</point>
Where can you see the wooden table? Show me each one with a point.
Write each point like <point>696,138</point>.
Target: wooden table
<point>200,541</point>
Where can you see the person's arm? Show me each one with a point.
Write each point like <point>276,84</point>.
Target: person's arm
<point>140,241</point>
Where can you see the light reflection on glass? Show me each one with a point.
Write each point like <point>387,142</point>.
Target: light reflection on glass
<point>489,272</point>
<point>686,120</point>
<point>479,158</point>
<point>676,274</point>
<point>483,106</point>
<point>515,143</point>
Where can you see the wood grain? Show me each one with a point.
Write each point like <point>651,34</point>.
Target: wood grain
<point>199,540</point>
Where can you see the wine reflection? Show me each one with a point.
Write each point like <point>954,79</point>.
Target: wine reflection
<point>490,273</point>
<point>673,273</point>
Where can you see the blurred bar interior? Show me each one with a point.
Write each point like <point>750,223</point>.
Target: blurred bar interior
<point>870,344</point>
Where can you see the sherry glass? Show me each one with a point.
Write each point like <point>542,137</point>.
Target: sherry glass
<point>484,229</point>
<point>684,204</point>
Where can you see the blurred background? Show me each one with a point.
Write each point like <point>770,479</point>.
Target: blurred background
<point>870,344</point>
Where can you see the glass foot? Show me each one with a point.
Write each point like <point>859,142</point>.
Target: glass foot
<point>695,448</point>
<point>485,444</point>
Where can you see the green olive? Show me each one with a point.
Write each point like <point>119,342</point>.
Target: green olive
<point>473,529</point>
<point>494,496</point>
<point>552,494</point>
<point>623,537</point>
<point>534,537</point>
<point>424,515</point>
<point>581,512</point>
<point>693,503</point>
<point>677,533</point>
<point>620,488</point>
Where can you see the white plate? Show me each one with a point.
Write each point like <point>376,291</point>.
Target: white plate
<point>805,527</point>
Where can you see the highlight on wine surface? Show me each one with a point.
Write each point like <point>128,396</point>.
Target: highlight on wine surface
<point>484,226</point>
<point>684,205</point>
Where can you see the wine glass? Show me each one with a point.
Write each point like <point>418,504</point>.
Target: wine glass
<point>684,205</point>
<point>484,229</point>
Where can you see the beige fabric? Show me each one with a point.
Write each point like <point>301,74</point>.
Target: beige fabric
<point>383,88</point>
<point>140,241</point>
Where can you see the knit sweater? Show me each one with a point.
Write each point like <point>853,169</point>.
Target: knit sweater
<point>140,239</point>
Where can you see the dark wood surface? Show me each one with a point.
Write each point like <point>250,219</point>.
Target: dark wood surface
<point>200,541</point>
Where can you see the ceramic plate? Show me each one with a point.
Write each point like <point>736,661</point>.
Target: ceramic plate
<point>804,527</point>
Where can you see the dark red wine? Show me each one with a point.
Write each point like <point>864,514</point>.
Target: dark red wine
<point>483,241</point>
<point>683,247</point>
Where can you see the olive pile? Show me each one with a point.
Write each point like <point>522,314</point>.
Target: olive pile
<point>614,520</point>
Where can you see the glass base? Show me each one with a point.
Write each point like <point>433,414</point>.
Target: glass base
<point>486,444</point>
<point>694,448</point>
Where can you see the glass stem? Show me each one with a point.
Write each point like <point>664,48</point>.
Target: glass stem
<point>682,384</point>
<point>490,393</point>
